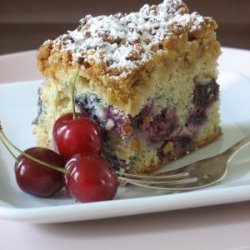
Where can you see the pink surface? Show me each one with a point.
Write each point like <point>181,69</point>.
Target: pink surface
<point>215,227</point>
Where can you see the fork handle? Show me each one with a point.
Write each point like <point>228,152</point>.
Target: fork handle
<point>238,146</point>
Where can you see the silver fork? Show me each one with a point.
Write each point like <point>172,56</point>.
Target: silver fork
<point>193,176</point>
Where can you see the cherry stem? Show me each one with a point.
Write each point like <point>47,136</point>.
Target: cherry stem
<point>5,139</point>
<point>7,147</point>
<point>73,94</point>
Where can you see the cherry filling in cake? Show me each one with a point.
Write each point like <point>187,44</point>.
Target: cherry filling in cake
<point>154,129</point>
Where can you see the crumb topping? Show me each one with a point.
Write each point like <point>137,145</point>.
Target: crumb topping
<point>123,42</point>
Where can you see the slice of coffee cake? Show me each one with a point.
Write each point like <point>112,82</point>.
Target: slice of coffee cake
<point>148,78</point>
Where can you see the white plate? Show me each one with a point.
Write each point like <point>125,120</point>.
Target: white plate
<point>18,108</point>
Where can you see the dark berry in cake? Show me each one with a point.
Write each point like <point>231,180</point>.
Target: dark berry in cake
<point>205,94</point>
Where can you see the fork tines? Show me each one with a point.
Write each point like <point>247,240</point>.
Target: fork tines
<point>157,181</point>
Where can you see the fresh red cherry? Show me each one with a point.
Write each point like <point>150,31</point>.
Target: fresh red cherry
<point>91,178</point>
<point>37,179</point>
<point>79,135</point>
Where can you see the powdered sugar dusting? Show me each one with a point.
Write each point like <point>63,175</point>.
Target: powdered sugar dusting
<point>124,42</point>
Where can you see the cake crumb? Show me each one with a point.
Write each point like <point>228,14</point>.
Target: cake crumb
<point>123,42</point>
